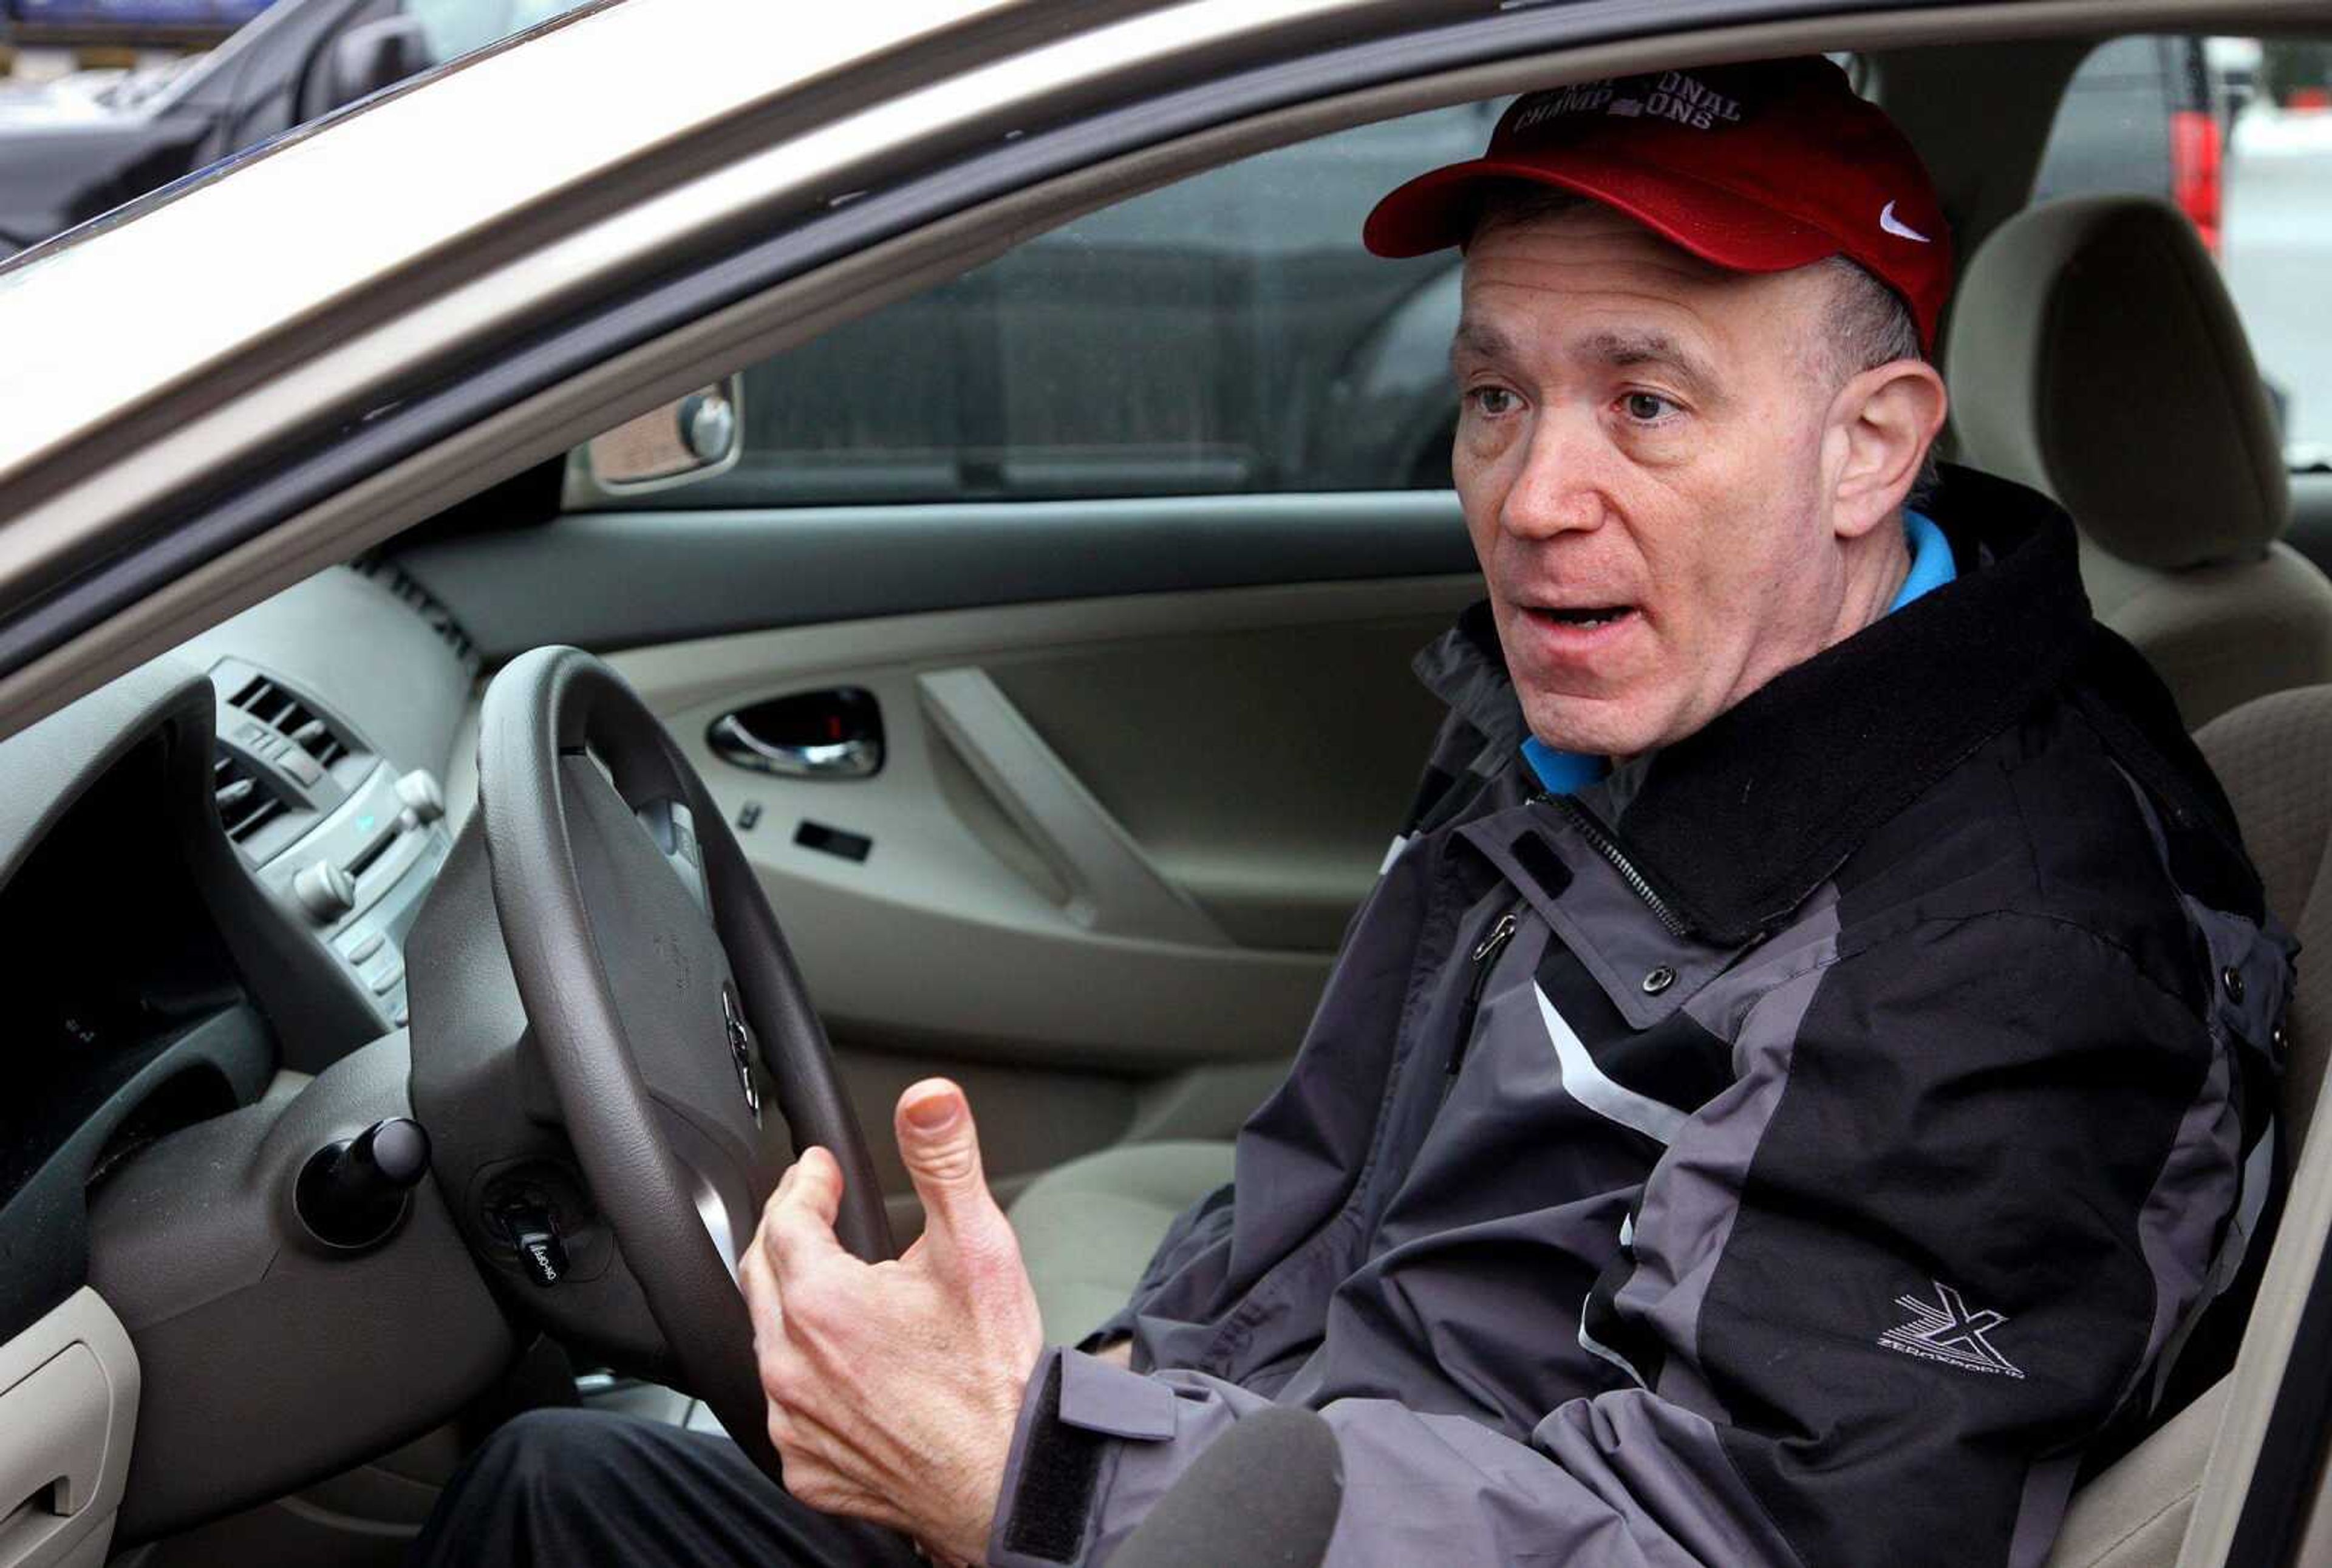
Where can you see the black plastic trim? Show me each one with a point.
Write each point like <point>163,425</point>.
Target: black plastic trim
<point>44,1226</point>
<point>835,841</point>
<point>327,457</point>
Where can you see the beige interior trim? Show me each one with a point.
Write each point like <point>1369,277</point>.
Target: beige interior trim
<point>68,1412</point>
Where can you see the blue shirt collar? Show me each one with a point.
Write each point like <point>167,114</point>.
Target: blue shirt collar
<point>1931,559</point>
<point>1568,772</point>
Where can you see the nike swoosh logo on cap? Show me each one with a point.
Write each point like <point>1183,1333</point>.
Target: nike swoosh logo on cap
<point>1895,225</point>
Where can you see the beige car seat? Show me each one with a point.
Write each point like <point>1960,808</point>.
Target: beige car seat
<point>2094,354</point>
<point>1086,1228</point>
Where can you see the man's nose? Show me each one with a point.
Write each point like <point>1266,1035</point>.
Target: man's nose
<point>1559,488</point>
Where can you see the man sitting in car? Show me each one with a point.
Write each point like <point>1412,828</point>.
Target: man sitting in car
<point>1802,1074</point>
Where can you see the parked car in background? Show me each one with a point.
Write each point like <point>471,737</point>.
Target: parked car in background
<point>73,149</point>
<point>205,20</point>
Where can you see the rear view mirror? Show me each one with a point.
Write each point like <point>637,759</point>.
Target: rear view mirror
<point>674,444</point>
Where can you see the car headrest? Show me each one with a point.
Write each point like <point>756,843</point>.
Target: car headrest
<point>2094,354</point>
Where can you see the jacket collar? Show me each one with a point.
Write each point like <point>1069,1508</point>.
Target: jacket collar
<point>1735,825</point>
<point>1466,668</point>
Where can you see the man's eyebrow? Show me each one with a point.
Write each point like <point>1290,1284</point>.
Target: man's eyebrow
<point>1481,339</point>
<point>1624,348</point>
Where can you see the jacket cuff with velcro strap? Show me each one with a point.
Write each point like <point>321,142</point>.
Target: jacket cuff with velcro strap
<point>1076,1412</point>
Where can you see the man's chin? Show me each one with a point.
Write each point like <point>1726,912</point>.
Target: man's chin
<point>1595,727</point>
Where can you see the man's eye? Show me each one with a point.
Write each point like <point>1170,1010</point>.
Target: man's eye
<point>1647,408</point>
<point>1492,401</point>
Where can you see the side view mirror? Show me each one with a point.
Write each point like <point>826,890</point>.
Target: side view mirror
<point>675,443</point>
<point>375,55</point>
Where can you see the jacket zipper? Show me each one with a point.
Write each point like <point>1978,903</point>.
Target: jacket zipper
<point>1601,843</point>
<point>1485,958</point>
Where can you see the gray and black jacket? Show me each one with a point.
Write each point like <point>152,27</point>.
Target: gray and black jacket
<point>1802,1148</point>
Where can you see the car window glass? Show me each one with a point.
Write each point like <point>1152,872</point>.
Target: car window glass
<point>455,28</point>
<point>1226,334</point>
<point>2237,133</point>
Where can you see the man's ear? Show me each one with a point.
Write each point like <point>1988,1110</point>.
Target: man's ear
<point>1882,423</point>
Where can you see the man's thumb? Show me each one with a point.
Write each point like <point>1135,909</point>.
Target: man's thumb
<point>941,1149</point>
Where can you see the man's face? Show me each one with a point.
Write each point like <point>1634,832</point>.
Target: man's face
<point>1640,454</point>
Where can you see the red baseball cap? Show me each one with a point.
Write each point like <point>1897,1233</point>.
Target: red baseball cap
<point>1759,167</point>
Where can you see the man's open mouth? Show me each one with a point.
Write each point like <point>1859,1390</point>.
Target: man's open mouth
<point>1586,614</point>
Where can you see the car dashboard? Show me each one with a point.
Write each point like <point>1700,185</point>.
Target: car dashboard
<point>207,869</point>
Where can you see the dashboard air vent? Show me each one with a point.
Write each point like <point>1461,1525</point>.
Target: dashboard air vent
<point>424,603</point>
<point>266,700</point>
<point>246,802</point>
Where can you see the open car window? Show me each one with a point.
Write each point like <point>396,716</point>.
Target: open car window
<point>1224,334</point>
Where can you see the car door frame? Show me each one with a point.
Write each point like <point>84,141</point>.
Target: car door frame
<point>153,549</point>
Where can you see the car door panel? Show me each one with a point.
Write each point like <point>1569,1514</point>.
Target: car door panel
<point>965,857</point>
<point>1110,847</point>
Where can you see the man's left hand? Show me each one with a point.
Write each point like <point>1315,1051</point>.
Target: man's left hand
<point>893,1388</point>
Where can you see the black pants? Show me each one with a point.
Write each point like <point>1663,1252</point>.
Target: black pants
<point>578,1489</point>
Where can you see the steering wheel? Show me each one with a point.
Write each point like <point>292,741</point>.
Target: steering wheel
<point>661,996</point>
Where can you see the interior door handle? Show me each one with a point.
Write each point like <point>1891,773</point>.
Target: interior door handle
<point>829,734</point>
<point>831,760</point>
